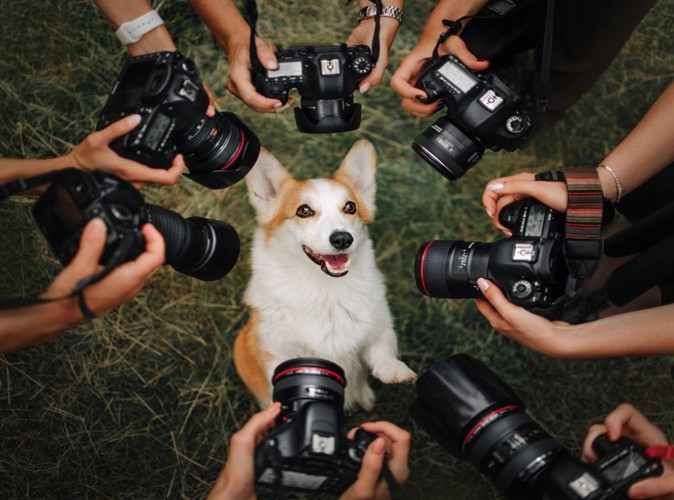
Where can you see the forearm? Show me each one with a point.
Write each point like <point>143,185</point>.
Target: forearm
<point>121,11</point>
<point>645,332</point>
<point>447,9</point>
<point>13,169</point>
<point>223,20</point>
<point>32,325</point>
<point>645,151</point>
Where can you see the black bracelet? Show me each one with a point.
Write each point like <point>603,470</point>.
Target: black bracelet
<point>88,313</point>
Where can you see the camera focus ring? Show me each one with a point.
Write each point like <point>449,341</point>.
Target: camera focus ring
<point>205,130</point>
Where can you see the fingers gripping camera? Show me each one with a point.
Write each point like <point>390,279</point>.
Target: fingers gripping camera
<point>326,78</point>
<point>205,249</point>
<point>529,267</point>
<point>475,415</point>
<point>482,112</point>
<point>165,89</point>
<point>308,449</point>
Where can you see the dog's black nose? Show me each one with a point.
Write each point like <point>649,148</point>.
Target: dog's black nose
<point>341,240</point>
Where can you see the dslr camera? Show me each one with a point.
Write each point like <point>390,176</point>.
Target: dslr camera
<point>475,415</point>
<point>325,77</point>
<point>307,448</point>
<point>205,249</point>
<point>165,89</point>
<point>482,112</point>
<point>529,267</point>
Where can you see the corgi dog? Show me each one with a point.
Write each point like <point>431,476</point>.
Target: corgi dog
<point>315,290</point>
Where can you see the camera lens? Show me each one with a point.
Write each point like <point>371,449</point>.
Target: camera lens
<point>205,249</point>
<point>222,145</point>
<point>308,379</point>
<point>470,411</point>
<point>447,149</point>
<point>450,268</point>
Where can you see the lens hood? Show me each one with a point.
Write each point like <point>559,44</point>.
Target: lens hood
<point>320,120</point>
<point>454,395</point>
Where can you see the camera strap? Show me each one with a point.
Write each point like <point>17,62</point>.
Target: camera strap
<point>584,213</point>
<point>18,186</point>
<point>253,14</point>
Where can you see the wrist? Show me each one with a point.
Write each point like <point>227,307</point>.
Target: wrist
<point>157,40</point>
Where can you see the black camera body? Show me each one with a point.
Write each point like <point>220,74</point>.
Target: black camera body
<point>165,89</point>
<point>528,267</point>
<point>326,78</point>
<point>475,415</point>
<point>482,112</point>
<point>205,249</point>
<point>307,449</point>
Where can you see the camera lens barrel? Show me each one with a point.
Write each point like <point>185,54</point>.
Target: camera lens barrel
<point>309,378</point>
<point>220,150</point>
<point>469,410</point>
<point>205,249</point>
<point>447,149</point>
<point>450,268</point>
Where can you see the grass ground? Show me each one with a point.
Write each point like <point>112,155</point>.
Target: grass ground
<point>140,403</point>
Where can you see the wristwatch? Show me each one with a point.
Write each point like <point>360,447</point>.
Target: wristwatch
<point>132,31</point>
<point>386,11</point>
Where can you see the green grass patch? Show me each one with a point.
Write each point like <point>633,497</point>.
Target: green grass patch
<point>140,403</point>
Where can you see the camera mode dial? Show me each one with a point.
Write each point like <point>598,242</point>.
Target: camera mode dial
<point>362,65</point>
<point>522,289</point>
<point>516,124</point>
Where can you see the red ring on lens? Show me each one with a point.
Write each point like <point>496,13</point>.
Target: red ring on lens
<point>477,426</point>
<point>310,370</point>
<point>422,268</point>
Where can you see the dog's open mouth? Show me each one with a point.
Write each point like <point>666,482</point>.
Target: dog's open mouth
<point>333,265</point>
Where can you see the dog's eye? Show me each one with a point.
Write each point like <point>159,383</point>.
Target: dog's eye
<point>350,207</point>
<point>304,211</point>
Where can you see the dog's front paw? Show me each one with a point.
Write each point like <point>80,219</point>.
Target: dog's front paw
<point>394,371</point>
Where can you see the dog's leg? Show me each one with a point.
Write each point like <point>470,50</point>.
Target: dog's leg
<point>358,391</point>
<point>250,363</point>
<point>382,358</point>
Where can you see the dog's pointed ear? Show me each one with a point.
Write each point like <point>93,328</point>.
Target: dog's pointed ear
<point>358,170</point>
<point>264,181</point>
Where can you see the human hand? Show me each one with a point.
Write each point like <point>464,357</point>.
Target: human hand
<point>627,421</point>
<point>392,445</point>
<point>403,80</point>
<point>240,81</point>
<point>363,34</point>
<point>529,329</point>
<point>94,153</point>
<point>505,190</point>
<point>237,478</point>
<point>121,285</point>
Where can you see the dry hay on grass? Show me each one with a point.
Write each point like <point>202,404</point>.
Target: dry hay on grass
<point>140,402</point>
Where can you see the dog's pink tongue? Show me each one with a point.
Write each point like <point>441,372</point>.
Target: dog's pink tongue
<point>336,261</point>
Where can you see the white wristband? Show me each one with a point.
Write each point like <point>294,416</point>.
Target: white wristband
<point>132,31</point>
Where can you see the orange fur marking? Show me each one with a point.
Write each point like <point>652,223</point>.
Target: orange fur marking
<point>365,215</point>
<point>248,360</point>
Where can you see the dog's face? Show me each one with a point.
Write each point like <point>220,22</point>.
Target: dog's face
<point>321,219</point>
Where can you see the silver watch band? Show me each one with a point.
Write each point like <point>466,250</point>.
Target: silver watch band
<point>387,11</point>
